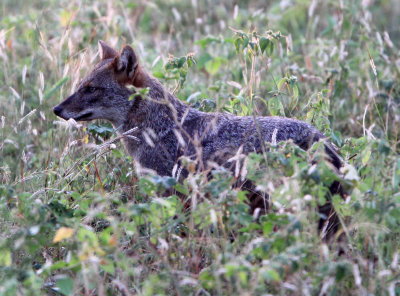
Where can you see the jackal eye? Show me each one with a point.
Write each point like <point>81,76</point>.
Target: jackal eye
<point>91,89</point>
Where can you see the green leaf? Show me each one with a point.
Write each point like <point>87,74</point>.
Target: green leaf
<point>175,63</point>
<point>267,227</point>
<point>280,82</point>
<point>133,96</point>
<point>203,59</point>
<point>366,154</point>
<point>264,42</point>
<point>117,153</point>
<point>180,62</point>
<point>295,92</point>
<point>207,279</point>
<point>270,48</point>
<point>58,265</point>
<point>108,267</point>
<point>86,235</point>
<point>275,106</point>
<point>238,43</point>
<point>101,130</point>
<point>65,286</point>
<point>241,42</point>
<point>159,74</point>
<point>271,275</point>
<point>213,66</point>
<point>341,271</point>
<point>243,277</point>
<point>191,61</point>
<point>245,41</point>
<point>5,257</point>
<point>337,138</point>
<point>165,181</point>
<point>206,41</point>
<point>182,188</point>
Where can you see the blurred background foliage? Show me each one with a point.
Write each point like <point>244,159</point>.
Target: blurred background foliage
<point>76,220</point>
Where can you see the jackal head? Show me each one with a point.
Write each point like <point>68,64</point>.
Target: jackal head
<point>102,94</point>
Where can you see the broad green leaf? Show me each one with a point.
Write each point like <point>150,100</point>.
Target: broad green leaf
<point>275,106</point>
<point>65,286</point>
<point>267,227</point>
<point>203,59</point>
<point>213,66</point>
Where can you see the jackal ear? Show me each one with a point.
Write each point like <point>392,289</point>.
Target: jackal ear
<point>127,61</point>
<point>106,51</point>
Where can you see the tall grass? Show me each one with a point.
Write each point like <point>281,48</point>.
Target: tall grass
<point>77,220</point>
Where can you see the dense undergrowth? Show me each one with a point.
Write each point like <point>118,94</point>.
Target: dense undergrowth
<point>76,219</point>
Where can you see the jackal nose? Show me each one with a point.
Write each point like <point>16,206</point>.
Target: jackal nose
<point>57,110</point>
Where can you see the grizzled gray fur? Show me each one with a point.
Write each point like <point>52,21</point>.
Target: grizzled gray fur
<point>166,128</point>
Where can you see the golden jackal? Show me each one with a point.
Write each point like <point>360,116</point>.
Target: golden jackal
<point>166,129</point>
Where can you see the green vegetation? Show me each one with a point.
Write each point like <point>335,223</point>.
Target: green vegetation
<point>76,220</point>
